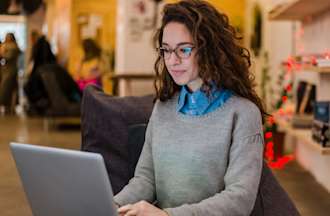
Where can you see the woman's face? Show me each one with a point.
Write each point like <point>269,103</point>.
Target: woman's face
<point>179,54</point>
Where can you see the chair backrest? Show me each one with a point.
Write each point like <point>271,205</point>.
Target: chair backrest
<point>60,104</point>
<point>135,142</point>
<point>272,200</point>
<point>105,124</point>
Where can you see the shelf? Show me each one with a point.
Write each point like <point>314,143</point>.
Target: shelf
<point>319,76</point>
<point>312,69</point>
<point>298,9</point>
<point>303,134</point>
<point>322,70</point>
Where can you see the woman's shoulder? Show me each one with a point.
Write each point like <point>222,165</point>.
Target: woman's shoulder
<point>247,116</point>
<point>162,107</point>
<point>243,105</point>
<point>245,110</point>
<point>168,104</point>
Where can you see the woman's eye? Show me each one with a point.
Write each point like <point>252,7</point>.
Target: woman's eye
<point>186,50</point>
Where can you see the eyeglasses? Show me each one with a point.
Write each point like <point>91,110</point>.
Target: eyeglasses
<point>182,52</point>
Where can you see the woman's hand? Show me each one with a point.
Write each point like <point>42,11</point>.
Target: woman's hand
<point>141,208</point>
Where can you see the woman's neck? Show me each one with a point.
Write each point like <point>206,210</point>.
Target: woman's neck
<point>195,84</point>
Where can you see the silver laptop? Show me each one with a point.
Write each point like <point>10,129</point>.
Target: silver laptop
<point>64,182</point>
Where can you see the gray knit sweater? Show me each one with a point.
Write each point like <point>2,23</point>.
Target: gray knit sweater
<point>207,165</point>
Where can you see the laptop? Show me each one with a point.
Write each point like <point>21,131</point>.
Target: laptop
<point>64,182</point>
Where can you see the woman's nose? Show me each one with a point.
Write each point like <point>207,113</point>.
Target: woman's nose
<point>174,59</point>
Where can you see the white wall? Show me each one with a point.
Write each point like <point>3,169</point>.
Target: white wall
<point>315,40</point>
<point>134,48</point>
<point>134,45</point>
<point>316,34</point>
<point>16,25</point>
<point>277,41</point>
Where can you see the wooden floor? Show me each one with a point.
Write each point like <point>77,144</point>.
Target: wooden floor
<point>310,198</point>
<point>26,130</point>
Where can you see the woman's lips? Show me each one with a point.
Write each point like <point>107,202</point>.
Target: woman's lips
<point>177,72</point>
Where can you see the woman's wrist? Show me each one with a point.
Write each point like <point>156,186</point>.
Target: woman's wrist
<point>166,213</point>
<point>117,205</point>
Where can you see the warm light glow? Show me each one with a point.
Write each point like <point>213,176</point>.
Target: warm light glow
<point>14,7</point>
<point>281,111</point>
<point>270,145</point>
<point>288,88</point>
<point>284,98</point>
<point>280,161</point>
<point>271,120</point>
<point>268,135</point>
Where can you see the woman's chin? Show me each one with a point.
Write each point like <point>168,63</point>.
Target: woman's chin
<point>180,82</point>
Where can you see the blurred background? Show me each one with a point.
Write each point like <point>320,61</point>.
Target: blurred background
<point>109,43</point>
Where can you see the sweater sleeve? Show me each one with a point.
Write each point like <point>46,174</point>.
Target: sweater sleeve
<point>242,176</point>
<point>142,185</point>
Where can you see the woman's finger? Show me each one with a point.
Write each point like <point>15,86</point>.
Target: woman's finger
<point>131,212</point>
<point>124,208</point>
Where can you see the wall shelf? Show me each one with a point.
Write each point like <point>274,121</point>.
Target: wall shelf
<point>298,9</point>
<point>319,76</point>
<point>312,69</point>
<point>303,134</point>
<point>322,70</point>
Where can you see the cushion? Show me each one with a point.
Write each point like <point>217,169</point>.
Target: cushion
<point>105,122</point>
<point>272,200</point>
<point>136,135</point>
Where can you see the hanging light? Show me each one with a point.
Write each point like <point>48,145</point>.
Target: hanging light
<point>14,7</point>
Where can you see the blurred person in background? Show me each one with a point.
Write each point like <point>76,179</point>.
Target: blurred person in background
<point>41,99</point>
<point>0,60</point>
<point>41,54</point>
<point>90,69</point>
<point>8,84</point>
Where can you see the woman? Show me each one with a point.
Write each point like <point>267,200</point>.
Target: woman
<point>90,68</point>
<point>8,85</point>
<point>204,144</point>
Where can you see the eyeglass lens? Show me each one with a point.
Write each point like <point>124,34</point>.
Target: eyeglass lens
<point>180,51</point>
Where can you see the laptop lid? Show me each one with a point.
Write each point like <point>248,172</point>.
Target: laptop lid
<point>64,182</point>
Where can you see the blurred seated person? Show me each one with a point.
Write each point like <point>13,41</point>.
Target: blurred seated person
<point>0,60</point>
<point>41,54</point>
<point>8,84</point>
<point>41,51</point>
<point>44,61</point>
<point>90,68</point>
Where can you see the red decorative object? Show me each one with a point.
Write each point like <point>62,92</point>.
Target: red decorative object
<point>274,146</point>
<point>268,135</point>
<point>289,88</point>
<point>284,98</point>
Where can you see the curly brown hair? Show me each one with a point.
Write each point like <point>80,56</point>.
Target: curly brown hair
<point>221,59</point>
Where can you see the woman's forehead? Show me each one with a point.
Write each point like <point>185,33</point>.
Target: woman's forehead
<point>175,34</point>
